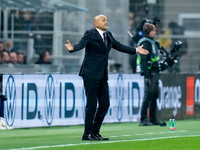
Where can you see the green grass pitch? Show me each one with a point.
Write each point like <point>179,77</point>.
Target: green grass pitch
<point>123,136</point>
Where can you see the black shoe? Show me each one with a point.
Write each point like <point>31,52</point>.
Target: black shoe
<point>159,123</point>
<point>145,123</point>
<point>101,138</point>
<point>89,137</point>
<point>3,97</point>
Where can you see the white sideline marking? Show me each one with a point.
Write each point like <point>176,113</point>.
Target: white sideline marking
<point>113,136</point>
<point>182,131</point>
<point>150,133</point>
<point>139,134</point>
<point>98,142</point>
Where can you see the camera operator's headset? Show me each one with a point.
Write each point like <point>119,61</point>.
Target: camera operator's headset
<point>146,31</point>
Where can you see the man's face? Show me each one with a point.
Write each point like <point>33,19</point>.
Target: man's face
<point>153,33</point>
<point>13,58</point>
<point>46,57</point>
<point>20,58</point>
<point>1,47</point>
<point>5,58</point>
<point>101,22</point>
<point>8,45</point>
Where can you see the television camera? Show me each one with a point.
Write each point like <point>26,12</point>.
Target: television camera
<point>169,59</point>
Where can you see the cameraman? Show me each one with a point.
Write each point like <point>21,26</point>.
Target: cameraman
<point>150,70</point>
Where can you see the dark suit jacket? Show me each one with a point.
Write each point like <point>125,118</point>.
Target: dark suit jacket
<point>96,55</point>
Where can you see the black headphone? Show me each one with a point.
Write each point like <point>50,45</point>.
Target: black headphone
<point>146,31</point>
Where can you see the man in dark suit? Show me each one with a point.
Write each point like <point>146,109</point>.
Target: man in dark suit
<point>98,43</point>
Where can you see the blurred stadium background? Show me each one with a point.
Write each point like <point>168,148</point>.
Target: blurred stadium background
<point>34,26</point>
<point>30,27</point>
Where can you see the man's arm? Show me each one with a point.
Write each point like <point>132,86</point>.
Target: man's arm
<point>78,45</point>
<point>127,49</point>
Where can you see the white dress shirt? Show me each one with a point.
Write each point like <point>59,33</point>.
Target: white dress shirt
<point>101,33</point>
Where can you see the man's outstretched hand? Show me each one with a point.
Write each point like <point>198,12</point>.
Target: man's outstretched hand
<point>140,50</point>
<point>68,46</point>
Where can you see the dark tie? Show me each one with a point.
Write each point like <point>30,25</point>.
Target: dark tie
<point>105,39</point>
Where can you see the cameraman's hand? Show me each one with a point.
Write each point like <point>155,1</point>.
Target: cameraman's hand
<point>148,81</point>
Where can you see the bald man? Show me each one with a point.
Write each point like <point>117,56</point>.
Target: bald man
<point>97,43</point>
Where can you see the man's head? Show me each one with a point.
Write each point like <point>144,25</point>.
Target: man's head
<point>27,15</point>
<point>45,56</point>
<point>101,22</point>
<point>149,30</point>
<point>1,46</point>
<point>5,58</point>
<point>8,45</point>
<point>20,58</point>
<point>13,57</point>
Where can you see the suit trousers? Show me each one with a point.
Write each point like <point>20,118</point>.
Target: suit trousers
<point>1,108</point>
<point>150,96</point>
<point>97,93</point>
